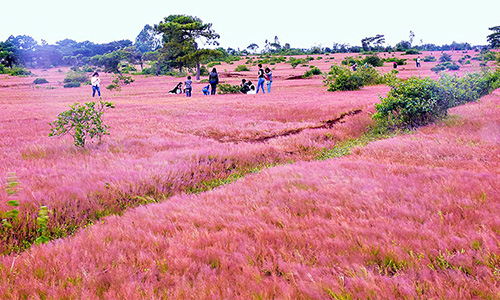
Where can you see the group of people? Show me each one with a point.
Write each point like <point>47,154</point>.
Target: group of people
<point>188,87</point>
<point>247,87</point>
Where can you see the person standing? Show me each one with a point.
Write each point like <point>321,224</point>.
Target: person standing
<point>418,62</point>
<point>269,79</point>
<point>96,82</point>
<point>260,83</point>
<point>213,78</point>
<point>188,86</point>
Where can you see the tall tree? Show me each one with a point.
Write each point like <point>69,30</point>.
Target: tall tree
<point>411,37</point>
<point>377,40</point>
<point>26,46</point>
<point>9,54</point>
<point>494,38</point>
<point>181,34</point>
<point>148,39</point>
<point>252,47</point>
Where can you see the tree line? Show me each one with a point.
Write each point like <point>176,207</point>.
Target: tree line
<point>174,43</point>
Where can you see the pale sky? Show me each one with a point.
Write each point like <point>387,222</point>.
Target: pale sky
<point>302,24</point>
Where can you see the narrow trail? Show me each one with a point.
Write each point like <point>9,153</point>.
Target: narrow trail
<point>324,124</point>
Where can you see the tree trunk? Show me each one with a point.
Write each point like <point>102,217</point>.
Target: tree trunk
<point>198,71</point>
<point>158,69</point>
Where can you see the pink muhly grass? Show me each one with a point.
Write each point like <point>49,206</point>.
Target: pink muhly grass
<point>408,217</point>
<point>160,144</point>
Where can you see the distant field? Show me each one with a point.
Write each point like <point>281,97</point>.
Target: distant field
<point>413,216</point>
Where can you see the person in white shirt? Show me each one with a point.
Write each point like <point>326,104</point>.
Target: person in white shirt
<point>95,81</point>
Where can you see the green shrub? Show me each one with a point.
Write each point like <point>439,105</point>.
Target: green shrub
<point>296,61</point>
<point>343,79</point>
<point>399,61</point>
<point>40,81</point>
<point>17,71</point>
<point>412,51</point>
<point>429,58</point>
<point>226,88</point>
<point>72,85</point>
<point>241,68</point>
<point>489,56</point>
<point>204,71</point>
<point>445,57</point>
<point>410,103</point>
<point>127,69</point>
<point>213,63</point>
<point>369,75</point>
<point>349,61</point>
<point>82,122</point>
<point>373,60</point>
<point>73,76</point>
<point>416,101</point>
<point>118,81</point>
<point>452,66</point>
<point>313,71</point>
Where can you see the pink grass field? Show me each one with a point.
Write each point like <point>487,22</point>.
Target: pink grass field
<point>415,216</point>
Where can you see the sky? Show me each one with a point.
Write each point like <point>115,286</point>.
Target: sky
<point>302,24</point>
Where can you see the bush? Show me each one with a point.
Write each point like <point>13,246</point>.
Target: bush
<point>72,85</point>
<point>40,81</point>
<point>241,68</point>
<point>416,102</point>
<point>15,71</point>
<point>313,71</point>
<point>374,61</point>
<point>446,65</point>
<point>343,79</point>
<point>226,88</point>
<point>73,76</point>
<point>349,61</point>
<point>204,71</point>
<point>296,61</point>
<point>369,75</point>
<point>410,103</point>
<point>429,58</point>
<point>213,63</point>
<point>445,57</point>
<point>399,61</point>
<point>489,56</point>
<point>118,81</point>
<point>412,51</point>
<point>81,122</point>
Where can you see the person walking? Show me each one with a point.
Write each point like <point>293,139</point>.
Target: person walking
<point>260,83</point>
<point>213,78</point>
<point>96,82</point>
<point>269,79</point>
<point>188,86</point>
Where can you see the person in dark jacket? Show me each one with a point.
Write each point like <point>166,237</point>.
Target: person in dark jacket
<point>245,87</point>
<point>213,78</point>
<point>260,83</point>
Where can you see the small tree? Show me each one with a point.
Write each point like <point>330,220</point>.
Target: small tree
<point>82,122</point>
